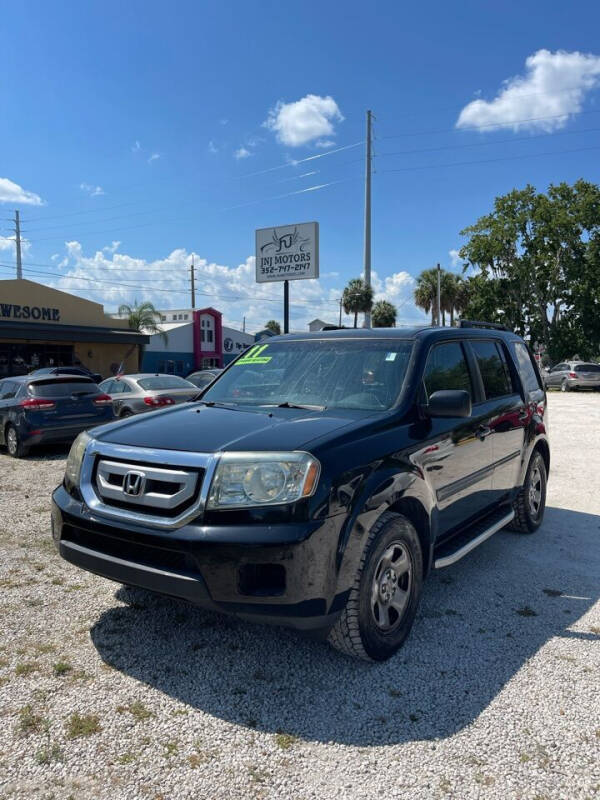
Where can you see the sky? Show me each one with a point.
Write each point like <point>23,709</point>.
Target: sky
<point>135,135</point>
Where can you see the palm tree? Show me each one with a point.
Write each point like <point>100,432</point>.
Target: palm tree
<point>273,325</point>
<point>452,290</point>
<point>426,292</point>
<point>143,318</point>
<point>357,298</point>
<point>384,314</point>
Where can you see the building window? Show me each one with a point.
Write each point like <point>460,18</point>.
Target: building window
<point>174,316</point>
<point>180,367</point>
<point>185,316</point>
<point>209,336</point>
<point>203,335</point>
<point>163,318</point>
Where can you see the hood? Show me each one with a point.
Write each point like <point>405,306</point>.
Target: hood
<point>204,429</point>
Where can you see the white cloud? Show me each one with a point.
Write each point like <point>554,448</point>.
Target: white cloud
<point>136,147</point>
<point>554,86</point>
<point>242,152</point>
<point>305,120</point>
<point>11,192</point>
<point>212,147</point>
<point>223,121</point>
<point>232,290</point>
<point>455,259</point>
<point>7,244</point>
<point>324,143</point>
<point>93,191</point>
<point>154,157</point>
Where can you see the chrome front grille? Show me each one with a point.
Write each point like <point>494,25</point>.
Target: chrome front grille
<point>144,486</point>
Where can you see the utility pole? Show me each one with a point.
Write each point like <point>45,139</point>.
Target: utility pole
<point>286,306</point>
<point>192,279</point>
<point>367,256</point>
<point>439,295</point>
<point>18,245</point>
<point>341,301</point>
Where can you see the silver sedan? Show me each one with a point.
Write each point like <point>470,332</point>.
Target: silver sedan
<point>569,375</point>
<point>134,394</point>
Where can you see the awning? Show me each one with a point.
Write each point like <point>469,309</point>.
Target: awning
<point>69,333</point>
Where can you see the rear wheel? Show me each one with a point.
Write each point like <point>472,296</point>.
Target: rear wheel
<point>564,387</point>
<point>14,445</point>
<point>530,503</point>
<point>126,413</point>
<point>383,601</point>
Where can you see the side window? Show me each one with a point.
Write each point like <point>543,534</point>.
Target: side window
<point>9,390</point>
<point>447,369</point>
<point>108,387</point>
<point>493,369</point>
<point>119,387</point>
<point>527,371</point>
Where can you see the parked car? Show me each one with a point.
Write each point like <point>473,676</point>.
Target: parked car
<point>321,496</point>
<point>572,375</point>
<point>134,394</point>
<point>95,376</point>
<point>203,377</point>
<point>39,409</point>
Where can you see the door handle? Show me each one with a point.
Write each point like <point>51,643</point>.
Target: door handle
<point>482,432</point>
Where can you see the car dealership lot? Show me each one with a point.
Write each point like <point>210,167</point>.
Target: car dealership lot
<point>109,692</point>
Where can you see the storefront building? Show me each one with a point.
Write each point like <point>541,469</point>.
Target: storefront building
<point>44,327</point>
<point>202,343</point>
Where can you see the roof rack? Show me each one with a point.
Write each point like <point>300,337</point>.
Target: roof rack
<point>474,323</point>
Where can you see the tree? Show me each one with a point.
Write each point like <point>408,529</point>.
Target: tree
<point>357,298</point>
<point>537,262</point>
<point>273,325</point>
<point>384,314</point>
<point>426,292</point>
<point>143,318</point>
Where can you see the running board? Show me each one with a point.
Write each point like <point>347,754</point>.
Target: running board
<point>459,546</point>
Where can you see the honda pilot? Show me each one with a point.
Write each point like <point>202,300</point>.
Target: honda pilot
<point>318,480</point>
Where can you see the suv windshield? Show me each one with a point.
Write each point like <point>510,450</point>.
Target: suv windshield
<point>164,382</point>
<point>328,373</point>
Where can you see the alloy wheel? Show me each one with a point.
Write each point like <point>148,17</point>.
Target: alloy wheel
<point>12,441</point>
<point>535,492</point>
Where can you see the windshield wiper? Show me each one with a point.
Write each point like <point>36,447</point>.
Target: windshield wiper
<point>287,404</point>
<point>216,404</point>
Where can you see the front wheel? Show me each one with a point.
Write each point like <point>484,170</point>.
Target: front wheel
<point>530,503</point>
<point>383,601</point>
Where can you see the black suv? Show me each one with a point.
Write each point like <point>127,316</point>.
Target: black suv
<point>318,480</point>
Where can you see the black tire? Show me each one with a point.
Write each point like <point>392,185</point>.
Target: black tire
<point>358,632</point>
<point>14,445</point>
<point>528,518</point>
<point>125,413</point>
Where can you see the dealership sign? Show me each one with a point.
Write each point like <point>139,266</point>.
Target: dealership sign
<point>287,252</point>
<point>12,311</point>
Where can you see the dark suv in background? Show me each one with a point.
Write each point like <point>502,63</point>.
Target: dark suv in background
<point>318,480</point>
<point>44,409</point>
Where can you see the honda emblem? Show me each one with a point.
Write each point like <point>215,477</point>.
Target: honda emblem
<point>133,483</point>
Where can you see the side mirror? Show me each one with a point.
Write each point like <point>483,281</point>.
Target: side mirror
<point>449,403</point>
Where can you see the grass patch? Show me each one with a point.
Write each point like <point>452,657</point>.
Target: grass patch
<point>284,740</point>
<point>258,775</point>
<point>171,749</point>
<point>25,668</point>
<point>58,581</point>
<point>61,668</point>
<point>79,725</point>
<point>44,647</point>
<point>127,758</point>
<point>526,612</point>
<point>30,722</point>
<point>524,758</point>
<point>46,755</point>
<point>137,709</point>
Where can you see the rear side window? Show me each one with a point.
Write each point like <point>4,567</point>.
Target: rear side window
<point>493,369</point>
<point>8,390</point>
<point>164,382</point>
<point>587,368</point>
<point>527,371</point>
<point>62,388</point>
<point>447,369</point>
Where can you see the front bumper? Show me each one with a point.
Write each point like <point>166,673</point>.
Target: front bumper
<point>292,582</point>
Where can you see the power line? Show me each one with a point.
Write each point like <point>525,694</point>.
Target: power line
<point>490,125</point>
<point>489,160</point>
<point>297,161</point>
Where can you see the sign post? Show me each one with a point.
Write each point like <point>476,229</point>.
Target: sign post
<point>287,253</point>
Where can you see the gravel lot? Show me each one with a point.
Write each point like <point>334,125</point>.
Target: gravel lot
<point>494,695</point>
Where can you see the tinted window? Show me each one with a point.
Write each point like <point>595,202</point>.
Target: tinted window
<point>158,382</point>
<point>9,390</point>
<point>335,373</point>
<point>107,386</point>
<point>494,373</point>
<point>587,368</point>
<point>526,368</point>
<point>560,368</point>
<point>57,388</point>
<point>447,369</point>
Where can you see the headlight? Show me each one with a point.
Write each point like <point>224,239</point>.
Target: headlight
<point>73,468</point>
<point>262,479</point>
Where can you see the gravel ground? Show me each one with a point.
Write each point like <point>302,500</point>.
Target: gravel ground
<point>494,695</point>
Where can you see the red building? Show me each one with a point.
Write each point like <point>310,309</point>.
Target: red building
<point>208,338</point>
